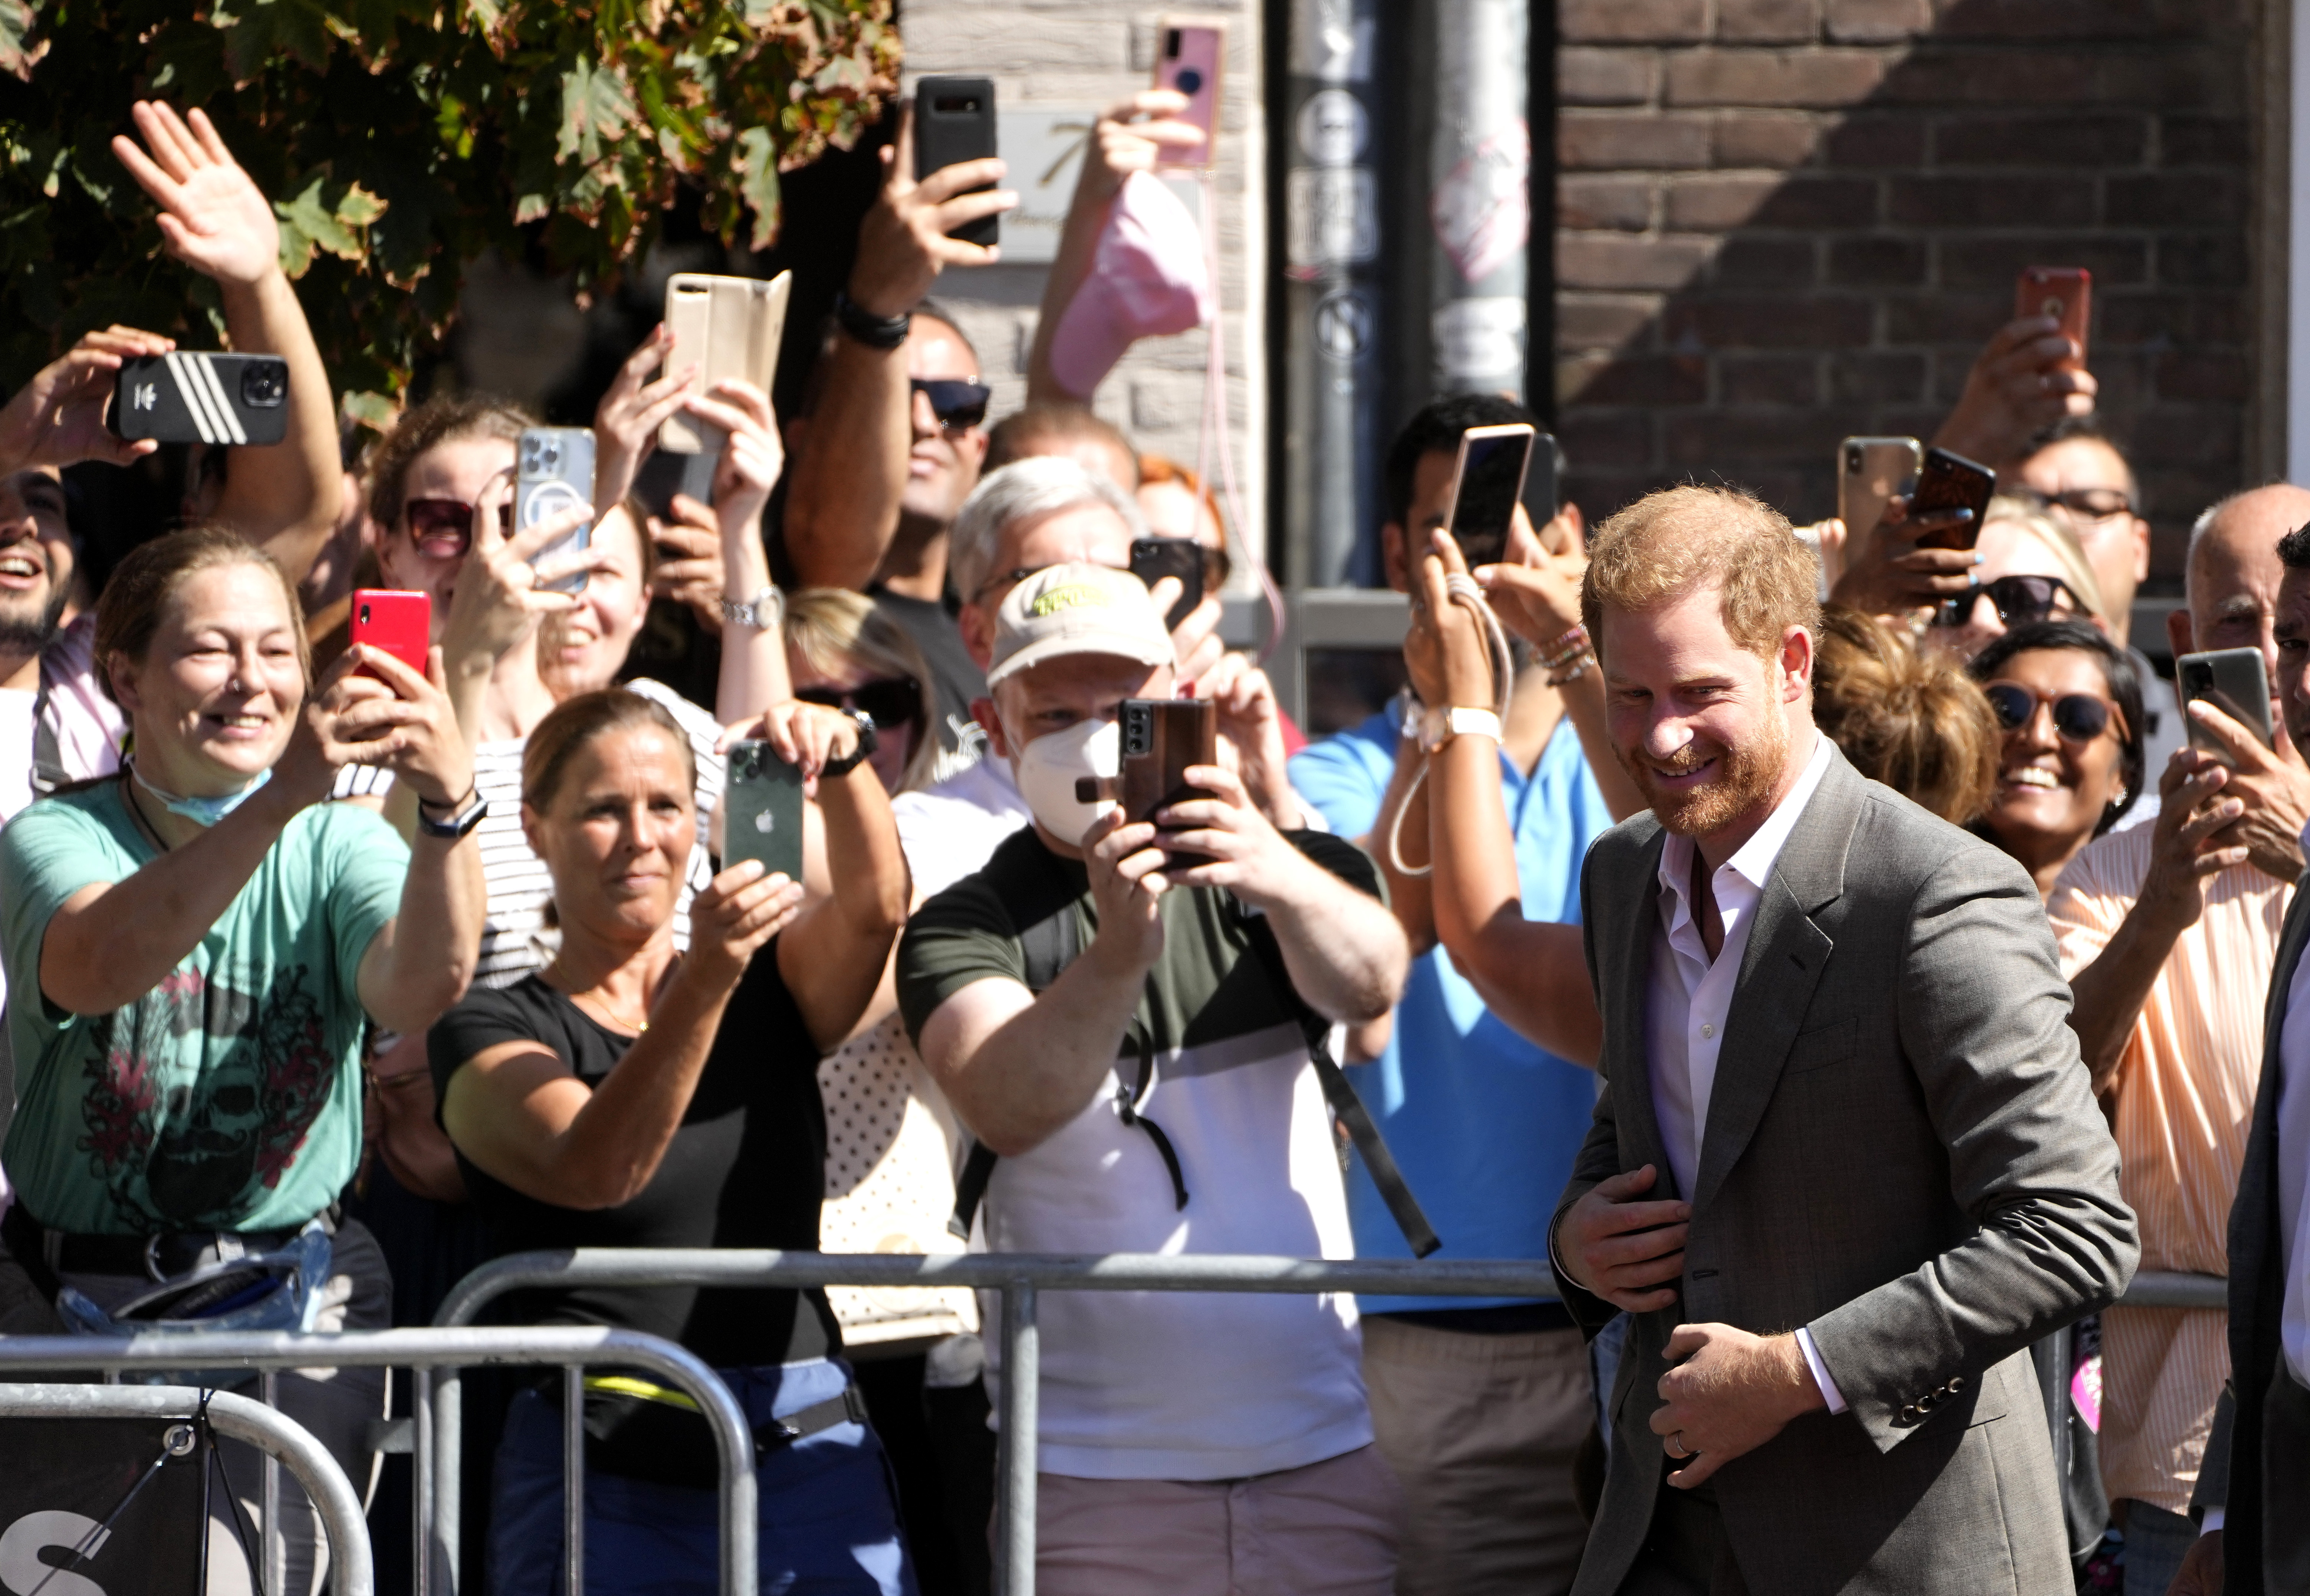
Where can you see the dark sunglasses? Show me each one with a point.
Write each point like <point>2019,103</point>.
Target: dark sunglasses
<point>891,701</point>
<point>2094,504</point>
<point>2020,600</point>
<point>2078,717</point>
<point>450,519</point>
<point>956,405</point>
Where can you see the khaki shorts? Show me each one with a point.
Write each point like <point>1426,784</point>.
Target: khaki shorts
<point>1327,1530</point>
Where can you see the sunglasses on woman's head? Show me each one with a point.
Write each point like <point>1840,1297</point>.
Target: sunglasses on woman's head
<point>2078,717</point>
<point>2020,600</point>
<point>957,404</point>
<point>449,520</point>
<point>889,701</point>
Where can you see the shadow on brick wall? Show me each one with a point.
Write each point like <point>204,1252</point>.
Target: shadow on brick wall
<point>1780,221</point>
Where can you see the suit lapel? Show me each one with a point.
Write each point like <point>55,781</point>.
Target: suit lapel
<point>1783,963</point>
<point>1628,1066</point>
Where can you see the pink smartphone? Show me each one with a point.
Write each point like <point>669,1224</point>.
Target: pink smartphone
<point>399,623</point>
<point>2065,293</point>
<point>1188,52</point>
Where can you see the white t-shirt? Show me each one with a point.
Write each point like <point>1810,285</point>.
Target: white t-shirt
<point>954,829</point>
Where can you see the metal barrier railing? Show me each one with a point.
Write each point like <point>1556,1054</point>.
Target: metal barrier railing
<point>570,1347</point>
<point>1018,1278</point>
<point>281,1439</point>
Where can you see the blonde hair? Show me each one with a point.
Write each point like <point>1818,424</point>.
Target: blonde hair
<point>1908,718</point>
<point>1670,543</point>
<point>2068,553</point>
<point>834,629</point>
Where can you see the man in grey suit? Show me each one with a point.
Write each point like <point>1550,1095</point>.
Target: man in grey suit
<point>1846,1165</point>
<point>2253,1490</point>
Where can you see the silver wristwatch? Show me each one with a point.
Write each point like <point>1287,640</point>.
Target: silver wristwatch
<point>763,611</point>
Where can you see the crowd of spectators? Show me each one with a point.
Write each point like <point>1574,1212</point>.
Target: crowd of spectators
<point>309,953</point>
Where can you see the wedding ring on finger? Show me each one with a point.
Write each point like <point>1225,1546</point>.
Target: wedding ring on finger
<point>1677,1449</point>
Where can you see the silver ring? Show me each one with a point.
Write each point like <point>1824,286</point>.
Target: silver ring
<point>1676,1440</point>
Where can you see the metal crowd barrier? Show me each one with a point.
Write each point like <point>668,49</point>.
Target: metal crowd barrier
<point>281,1440</point>
<point>572,1347</point>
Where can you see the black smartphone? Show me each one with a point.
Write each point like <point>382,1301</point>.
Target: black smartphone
<point>1154,559</point>
<point>762,809</point>
<point>1487,481</point>
<point>2234,680</point>
<point>199,397</point>
<point>666,474</point>
<point>954,121</point>
<point>1540,480</point>
<point>1947,481</point>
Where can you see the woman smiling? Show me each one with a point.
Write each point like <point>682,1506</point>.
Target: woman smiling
<point>2070,763</point>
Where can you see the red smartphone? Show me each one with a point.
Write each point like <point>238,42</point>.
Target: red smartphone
<point>1949,481</point>
<point>399,623</point>
<point>2065,293</point>
<point>1188,53</point>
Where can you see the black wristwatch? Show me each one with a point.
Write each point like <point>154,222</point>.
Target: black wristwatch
<point>875,332</point>
<point>844,767</point>
<point>460,821</point>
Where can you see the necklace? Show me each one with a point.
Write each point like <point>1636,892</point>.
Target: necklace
<point>639,1027</point>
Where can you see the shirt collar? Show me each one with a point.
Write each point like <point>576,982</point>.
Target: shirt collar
<point>1755,860</point>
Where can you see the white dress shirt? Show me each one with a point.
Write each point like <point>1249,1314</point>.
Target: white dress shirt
<point>1690,993</point>
<point>2294,1171</point>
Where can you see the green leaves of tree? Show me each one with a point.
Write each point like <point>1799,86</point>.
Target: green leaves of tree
<point>401,139</point>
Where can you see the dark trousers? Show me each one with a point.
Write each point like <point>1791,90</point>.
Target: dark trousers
<point>1686,1553</point>
<point>2285,1484</point>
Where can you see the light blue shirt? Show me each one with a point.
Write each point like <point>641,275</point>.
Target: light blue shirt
<point>1484,1123</point>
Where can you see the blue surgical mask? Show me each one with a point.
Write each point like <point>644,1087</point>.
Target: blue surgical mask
<point>202,810</point>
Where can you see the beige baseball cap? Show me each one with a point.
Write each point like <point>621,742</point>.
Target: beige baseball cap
<point>1077,609</point>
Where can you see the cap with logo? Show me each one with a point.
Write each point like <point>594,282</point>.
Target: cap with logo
<point>1077,609</point>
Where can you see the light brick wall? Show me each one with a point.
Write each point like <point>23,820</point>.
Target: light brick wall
<point>1081,54</point>
<point>1780,221</point>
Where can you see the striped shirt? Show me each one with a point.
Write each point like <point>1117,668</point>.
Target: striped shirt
<point>2185,1100</point>
<point>514,940</point>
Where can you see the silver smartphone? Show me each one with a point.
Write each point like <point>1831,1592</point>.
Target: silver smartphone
<point>2234,680</point>
<point>553,471</point>
<point>1487,481</point>
<point>1869,470</point>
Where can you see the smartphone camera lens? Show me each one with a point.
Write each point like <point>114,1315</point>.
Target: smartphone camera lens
<point>1189,82</point>
<point>1138,730</point>
<point>1852,461</point>
<point>264,385</point>
<point>1171,46</point>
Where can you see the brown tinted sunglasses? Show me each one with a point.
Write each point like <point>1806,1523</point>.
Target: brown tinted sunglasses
<point>450,519</point>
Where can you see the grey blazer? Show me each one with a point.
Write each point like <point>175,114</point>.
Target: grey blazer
<point>1903,1153</point>
<point>2258,1458</point>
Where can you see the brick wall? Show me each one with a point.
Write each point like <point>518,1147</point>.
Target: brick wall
<point>1780,221</point>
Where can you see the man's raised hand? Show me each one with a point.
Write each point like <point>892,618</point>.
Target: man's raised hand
<point>214,216</point>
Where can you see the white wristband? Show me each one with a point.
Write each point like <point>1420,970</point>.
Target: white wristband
<point>1442,725</point>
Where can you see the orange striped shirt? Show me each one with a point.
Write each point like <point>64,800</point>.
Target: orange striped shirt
<point>2185,1087</point>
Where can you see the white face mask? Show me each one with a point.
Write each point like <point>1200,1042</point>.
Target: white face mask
<point>1048,768</point>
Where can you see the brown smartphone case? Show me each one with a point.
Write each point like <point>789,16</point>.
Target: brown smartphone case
<point>726,326</point>
<point>1161,738</point>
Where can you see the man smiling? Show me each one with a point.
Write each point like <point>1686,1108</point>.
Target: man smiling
<point>1841,1095</point>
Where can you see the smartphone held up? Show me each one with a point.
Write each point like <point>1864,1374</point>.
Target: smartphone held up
<point>2234,680</point>
<point>2065,293</point>
<point>762,809</point>
<point>954,122</point>
<point>194,396</point>
<point>554,472</point>
<point>1190,51</point>
<point>398,623</point>
<point>1486,484</point>
<point>1949,481</point>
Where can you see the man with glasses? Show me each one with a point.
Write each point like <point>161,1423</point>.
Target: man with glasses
<point>2167,933</point>
<point>2075,472</point>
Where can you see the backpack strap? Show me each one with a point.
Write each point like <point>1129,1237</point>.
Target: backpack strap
<point>48,753</point>
<point>1346,1106</point>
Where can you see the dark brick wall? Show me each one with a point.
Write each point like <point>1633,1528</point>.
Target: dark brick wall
<point>1780,221</point>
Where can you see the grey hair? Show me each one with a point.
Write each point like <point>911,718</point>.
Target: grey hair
<point>1025,490</point>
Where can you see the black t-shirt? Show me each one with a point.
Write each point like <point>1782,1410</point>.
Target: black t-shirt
<point>745,1169</point>
<point>955,678</point>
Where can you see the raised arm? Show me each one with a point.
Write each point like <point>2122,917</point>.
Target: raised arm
<point>285,496</point>
<point>1530,973</point>
<point>519,1113</point>
<point>834,961</point>
<point>1017,1067</point>
<point>2016,389</point>
<point>112,942</point>
<point>754,658</point>
<point>850,467</point>
<point>1121,144</point>
<point>407,978</point>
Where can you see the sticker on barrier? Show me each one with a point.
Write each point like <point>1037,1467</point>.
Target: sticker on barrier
<point>100,1507</point>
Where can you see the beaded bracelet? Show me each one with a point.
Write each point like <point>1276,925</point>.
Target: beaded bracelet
<point>1579,662</point>
<point>1566,648</point>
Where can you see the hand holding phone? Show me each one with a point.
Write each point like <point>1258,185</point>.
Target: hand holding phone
<point>1949,481</point>
<point>399,623</point>
<point>2234,680</point>
<point>954,122</point>
<point>2065,293</point>
<point>554,472</point>
<point>1487,484</point>
<point>1154,559</point>
<point>1870,472</point>
<point>762,810</point>
<point>194,396</point>
<point>1190,54</point>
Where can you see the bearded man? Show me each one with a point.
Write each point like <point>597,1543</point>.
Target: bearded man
<point>1846,1165</point>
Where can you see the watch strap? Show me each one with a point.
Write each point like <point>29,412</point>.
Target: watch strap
<point>1442,725</point>
<point>453,826</point>
<point>884,332</point>
<point>763,612</point>
<point>866,744</point>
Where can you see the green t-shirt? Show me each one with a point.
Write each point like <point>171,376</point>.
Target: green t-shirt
<point>228,1096</point>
